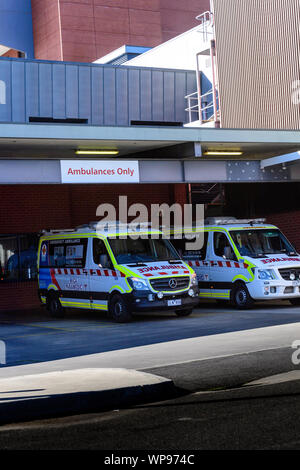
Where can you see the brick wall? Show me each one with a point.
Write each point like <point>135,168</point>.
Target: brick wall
<point>31,208</point>
<point>180,194</point>
<point>178,16</point>
<point>19,296</point>
<point>11,53</point>
<point>89,29</point>
<point>26,208</point>
<point>85,199</point>
<point>289,223</point>
<point>46,29</point>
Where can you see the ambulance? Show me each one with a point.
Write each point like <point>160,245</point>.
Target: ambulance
<point>240,261</point>
<point>116,268</point>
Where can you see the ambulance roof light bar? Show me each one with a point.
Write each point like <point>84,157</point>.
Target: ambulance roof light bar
<point>105,226</point>
<point>232,221</point>
<point>44,231</point>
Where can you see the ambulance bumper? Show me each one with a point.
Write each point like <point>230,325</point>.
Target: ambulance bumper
<point>276,289</point>
<point>148,301</point>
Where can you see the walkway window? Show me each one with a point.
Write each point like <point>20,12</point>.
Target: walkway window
<point>18,257</point>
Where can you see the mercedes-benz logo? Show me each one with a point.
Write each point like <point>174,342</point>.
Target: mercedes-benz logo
<point>172,283</point>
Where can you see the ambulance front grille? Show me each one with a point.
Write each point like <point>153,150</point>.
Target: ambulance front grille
<point>164,284</point>
<point>286,273</point>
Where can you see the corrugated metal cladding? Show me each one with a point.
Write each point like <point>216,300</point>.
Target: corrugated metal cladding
<point>258,58</point>
<point>102,94</point>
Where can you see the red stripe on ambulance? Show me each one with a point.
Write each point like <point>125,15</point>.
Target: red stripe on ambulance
<point>53,279</point>
<point>220,264</point>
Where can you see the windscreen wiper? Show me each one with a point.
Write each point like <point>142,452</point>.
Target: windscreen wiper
<point>137,263</point>
<point>260,255</point>
<point>289,253</point>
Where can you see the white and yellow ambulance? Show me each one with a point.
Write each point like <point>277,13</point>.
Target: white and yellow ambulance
<point>242,261</point>
<point>114,268</point>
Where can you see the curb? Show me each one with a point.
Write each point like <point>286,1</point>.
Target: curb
<point>59,402</point>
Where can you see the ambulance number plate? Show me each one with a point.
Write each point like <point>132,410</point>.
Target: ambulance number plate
<point>172,303</point>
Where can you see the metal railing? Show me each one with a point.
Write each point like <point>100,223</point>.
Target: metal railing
<point>206,20</point>
<point>205,105</point>
<point>192,108</point>
<point>203,110</point>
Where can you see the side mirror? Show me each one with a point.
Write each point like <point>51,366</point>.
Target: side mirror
<point>228,253</point>
<point>105,261</point>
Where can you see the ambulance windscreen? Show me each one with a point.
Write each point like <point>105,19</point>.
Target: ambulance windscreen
<point>257,243</point>
<point>141,250</point>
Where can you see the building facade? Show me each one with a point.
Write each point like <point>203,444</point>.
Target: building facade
<point>260,42</point>
<point>60,103</point>
<point>84,30</point>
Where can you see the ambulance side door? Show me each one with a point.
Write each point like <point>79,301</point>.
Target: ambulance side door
<point>223,265</point>
<point>199,261</point>
<point>103,276</point>
<point>194,253</point>
<point>69,256</point>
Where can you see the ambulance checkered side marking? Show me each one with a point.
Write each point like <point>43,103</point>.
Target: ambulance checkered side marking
<point>105,272</point>
<point>220,264</point>
<point>92,272</point>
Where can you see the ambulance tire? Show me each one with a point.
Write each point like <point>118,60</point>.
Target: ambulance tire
<point>240,297</point>
<point>54,306</point>
<point>119,309</point>
<point>184,312</point>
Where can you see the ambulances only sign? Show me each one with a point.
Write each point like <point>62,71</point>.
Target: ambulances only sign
<point>99,171</point>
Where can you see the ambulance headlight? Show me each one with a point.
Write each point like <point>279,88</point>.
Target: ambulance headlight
<point>266,274</point>
<point>138,284</point>
<point>194,281</point>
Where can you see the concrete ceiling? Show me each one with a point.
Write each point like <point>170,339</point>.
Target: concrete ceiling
<point>19,141</point>
<point>58,149</point>
<point>61,149</point>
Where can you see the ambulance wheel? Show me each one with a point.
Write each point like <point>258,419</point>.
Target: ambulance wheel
<point>240,297</point>
<point>119,309</point>
<point>184,312</point>
<point>54,306</point>
<point>295,302</point>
